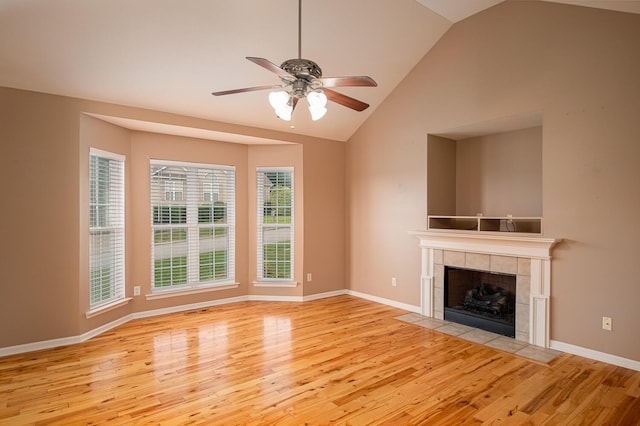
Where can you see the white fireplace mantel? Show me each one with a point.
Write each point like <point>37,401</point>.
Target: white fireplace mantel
<point>537,249</point>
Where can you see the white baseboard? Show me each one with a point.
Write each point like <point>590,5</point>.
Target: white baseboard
<point>105,327</point>
<point>182,308</point>
<point>63,341</point>
<point>263,298</point>
<point>48,344</point>
<point>71,340</point>
<point>388,302</point>
<point>324,295</point>
<point>266,298</point>
<point>595,355</point>
<point>37,346</point>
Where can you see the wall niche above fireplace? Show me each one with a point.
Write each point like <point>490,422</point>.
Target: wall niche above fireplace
<point>493,170</point>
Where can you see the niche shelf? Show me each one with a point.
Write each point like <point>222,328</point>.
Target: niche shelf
<point>513,224</point>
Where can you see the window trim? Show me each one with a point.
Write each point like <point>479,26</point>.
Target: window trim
<point>192,227</point>
<point>261,281</point>
<point>119,286</point>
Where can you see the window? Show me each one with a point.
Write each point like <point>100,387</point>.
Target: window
<point>106,228</point>
<point>275,224</point>
<point>192,224</point>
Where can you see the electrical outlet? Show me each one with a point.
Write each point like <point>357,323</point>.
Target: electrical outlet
<point>309,277</point>
<point>136,290</point>
<point>606,323</point>
<point>394,282</point>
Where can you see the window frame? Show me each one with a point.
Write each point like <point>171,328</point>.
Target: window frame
<point>193,226</point>
<point>114,225</point>
<point>260,225</point>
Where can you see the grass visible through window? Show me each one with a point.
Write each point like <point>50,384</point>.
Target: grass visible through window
<point>173,271</point>
<point>276,219</point>
<point>213,265</point>
<point>276,262</point>
<point>170,271</point>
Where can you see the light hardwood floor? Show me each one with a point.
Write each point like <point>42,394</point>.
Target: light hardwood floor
<point>340,360</point>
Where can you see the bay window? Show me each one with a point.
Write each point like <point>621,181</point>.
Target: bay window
<point>192,224</point>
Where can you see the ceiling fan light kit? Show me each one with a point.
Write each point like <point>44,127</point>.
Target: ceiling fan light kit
<point>317,104</point>
<point>302,78</point>
<point>282,104</point>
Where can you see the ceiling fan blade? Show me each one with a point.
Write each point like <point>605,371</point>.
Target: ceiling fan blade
<point>270,66</point>
<point>353,80</point>
<point>294,102</point>
<point>345,100</point>
<point>246,89</point>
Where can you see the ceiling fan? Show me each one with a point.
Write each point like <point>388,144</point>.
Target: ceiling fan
<point>302,78</point>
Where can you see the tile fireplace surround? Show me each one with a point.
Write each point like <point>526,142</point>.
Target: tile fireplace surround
<point>528,257</point>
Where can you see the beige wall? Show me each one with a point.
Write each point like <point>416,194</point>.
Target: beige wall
<point>39,234</point>
<point>44,227</point>
<point>579,67</point>
<point>441,176</point>
<point>500,174</point>
<point>324,225</point>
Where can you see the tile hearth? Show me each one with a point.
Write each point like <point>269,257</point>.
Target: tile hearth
<point>496,341</point>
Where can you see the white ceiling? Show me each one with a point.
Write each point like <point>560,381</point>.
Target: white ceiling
<point>169,55</point>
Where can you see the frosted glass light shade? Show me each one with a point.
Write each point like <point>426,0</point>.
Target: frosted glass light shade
<point>280,101</point>
<point>285,112</point>
<point>317,104</point>
<point>317,112</point>
<point>317,99</point>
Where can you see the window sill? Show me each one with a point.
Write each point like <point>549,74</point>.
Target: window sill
<point>106,308</point>
<point>176,293</point>
<point>276,284</point>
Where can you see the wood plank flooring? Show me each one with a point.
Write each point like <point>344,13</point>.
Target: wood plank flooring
<point>340,360</point>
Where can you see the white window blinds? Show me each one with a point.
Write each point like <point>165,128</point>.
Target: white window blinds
<point>193,224</point>
<point>106,228</point>
<point>275,202</point>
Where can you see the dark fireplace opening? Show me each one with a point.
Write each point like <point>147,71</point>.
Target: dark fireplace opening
<point>480,299</point>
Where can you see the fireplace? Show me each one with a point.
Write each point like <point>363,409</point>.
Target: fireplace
<point>481,299</point>
<point>527,257</point>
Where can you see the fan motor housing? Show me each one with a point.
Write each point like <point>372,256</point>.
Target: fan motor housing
<point>302,68</point>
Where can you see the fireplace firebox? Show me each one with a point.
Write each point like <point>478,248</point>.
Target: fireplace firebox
<point>480,299</point>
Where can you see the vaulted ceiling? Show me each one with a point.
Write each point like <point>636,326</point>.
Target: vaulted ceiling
<point>169,55</point>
